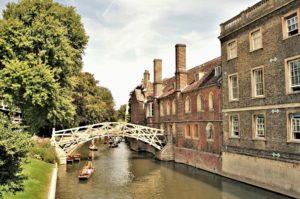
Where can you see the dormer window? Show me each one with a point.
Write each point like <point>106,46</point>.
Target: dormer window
<point>218,71</point>
<point>198,76</point>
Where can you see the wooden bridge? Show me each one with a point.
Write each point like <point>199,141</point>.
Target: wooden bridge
<point>67,140</point>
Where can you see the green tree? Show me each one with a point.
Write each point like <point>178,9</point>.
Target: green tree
<point>14,146</point>
<point>121,113</point>
<point>94,104</point>
<point>41,48</point>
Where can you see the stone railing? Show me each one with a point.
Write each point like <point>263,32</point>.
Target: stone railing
<point>251,13</point>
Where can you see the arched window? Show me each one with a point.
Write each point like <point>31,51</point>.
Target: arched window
<point>174,130</point>
<point>211,101</point>
<point>187,104</point>
<point>162,126</point>
<point>168,108</point>
<point>209,131</point>
<point>187,131</point>
<point>161,109</point>
<point>174,107</point>
<point>196,132</point>
<point>199,103</point>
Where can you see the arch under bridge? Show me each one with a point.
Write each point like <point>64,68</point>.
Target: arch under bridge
<point>67,140</point>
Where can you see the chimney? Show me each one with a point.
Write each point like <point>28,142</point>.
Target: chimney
<point>180,74</point>
<point>146,79</point>
<point>157,77</point>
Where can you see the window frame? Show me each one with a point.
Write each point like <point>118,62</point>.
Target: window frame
<point>150,109</point>
<point>209,124</point>
<point>251,41</point>
<point>253,82</point>
<point>230,93</point>
<point>196,131</point>
<point>284,23</point>
<point>228,49</point>
<point>254,126</point>
<point>200,105</point>
<point>185,104</point>
<point>290,138</point>
<point>211,105</point>
<point>174,107</point>
<point>187,126</point>
<point>168,108</point>
<point>288,83</point>
<point>231,135</point>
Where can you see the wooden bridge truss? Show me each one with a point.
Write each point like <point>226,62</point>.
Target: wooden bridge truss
<point>69,139</point>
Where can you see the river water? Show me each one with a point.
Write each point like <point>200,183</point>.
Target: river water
<point>123,174</point>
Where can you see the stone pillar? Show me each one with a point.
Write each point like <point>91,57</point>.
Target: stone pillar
<point>180,74</point>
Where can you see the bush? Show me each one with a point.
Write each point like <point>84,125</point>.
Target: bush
<point>43,150</point>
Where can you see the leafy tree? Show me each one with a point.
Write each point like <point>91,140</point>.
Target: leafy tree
<point>14,146</point>
<point>94,104</point>
<point>41,48</point>
<point>121,113</point>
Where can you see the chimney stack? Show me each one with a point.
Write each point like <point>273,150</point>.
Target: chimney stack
<point>146,79</point>
<point>180,74</point>
<point>157,77</point>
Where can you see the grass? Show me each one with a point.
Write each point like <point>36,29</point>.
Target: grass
<point>37,185</point>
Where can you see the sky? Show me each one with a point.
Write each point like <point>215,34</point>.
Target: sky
<point>126,35</point>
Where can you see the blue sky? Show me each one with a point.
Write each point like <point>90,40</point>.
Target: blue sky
<point>126,35</point>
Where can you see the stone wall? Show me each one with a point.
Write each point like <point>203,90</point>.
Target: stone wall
<point>275,175</point>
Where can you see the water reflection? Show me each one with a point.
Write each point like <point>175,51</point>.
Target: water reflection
<point>123,174</point>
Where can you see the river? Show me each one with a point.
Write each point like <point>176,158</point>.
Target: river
<point>123,174</point>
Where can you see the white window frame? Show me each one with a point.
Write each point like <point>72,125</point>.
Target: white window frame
<point>290,89</point>
<point>232,50</point>
<point>230,87</point>
<point>218,71</point>
<point>258,127</point>
<point>234,127</point>
<point>293,117</point>
<point>255,83</point>
<point>285,23</point>
<point>150,109</point>
<point>211,101</point>
<point>252,40</point>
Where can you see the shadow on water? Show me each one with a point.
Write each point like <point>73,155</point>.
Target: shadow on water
<point>124,174</point>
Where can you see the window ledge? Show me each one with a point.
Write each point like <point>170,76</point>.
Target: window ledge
<point>261,48</point>
<point>294,141</point>
<point>259,97</point>
<point>289,37</point>
<point>233,100</point>
<point>232,137</point>
<point>292,92</point>
<point>232,58</point>
<point>210,140</point>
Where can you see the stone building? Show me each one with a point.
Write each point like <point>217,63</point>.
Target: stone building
<point>187,106</point>
<point>261,95</point>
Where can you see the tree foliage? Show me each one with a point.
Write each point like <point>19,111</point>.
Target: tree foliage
<point>14,146</point>
<point>41,48</point>
<point>121,113</point>
<point>94,104</point>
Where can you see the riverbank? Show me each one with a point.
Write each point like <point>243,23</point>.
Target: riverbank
<point>38,182</point>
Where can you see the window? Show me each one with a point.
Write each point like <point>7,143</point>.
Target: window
<point>234,126</point>
<point>258,82</point>
<point>218,71</point>
<point>209,131</point>
<point>292,72</point>
<point>199,76</point>
<point>199,103</point>
<point>290,24</point>
<point>231,50</point>
<point>174,130</point>
<point>233,87</point>
<point>161,109</point>
<point>150,110</point>
<point>255,40</point>
<point>295,126</point>
<point>187,105</point>
<point>196,132</point>
<point>168,108</point>
<point>211,101</point>
<point>259,125</point>
<point>174,107</point>
<point>187,131</point>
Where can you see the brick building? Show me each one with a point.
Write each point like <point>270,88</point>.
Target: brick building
<point>261,95</point>
<point>188,106</point>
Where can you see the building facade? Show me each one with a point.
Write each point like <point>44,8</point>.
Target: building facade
<point>188,107</point>
<point>261,95</point>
